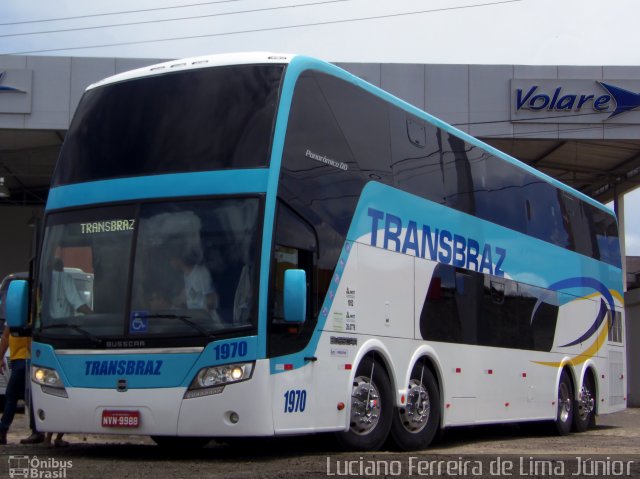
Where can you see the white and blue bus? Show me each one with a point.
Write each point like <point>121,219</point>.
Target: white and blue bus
<point>277,247</point>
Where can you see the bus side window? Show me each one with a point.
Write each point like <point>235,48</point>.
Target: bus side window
<point>497,291</point>
<point>615,330</point>
<point>415,156</point>
<point>450,310</point>
<point>440,317</point>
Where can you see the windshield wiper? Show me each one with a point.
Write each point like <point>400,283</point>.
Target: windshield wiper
<point>76,328</point>
<point>185,320</point>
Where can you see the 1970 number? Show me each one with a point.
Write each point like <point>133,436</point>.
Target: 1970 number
<point>237,349</point>
<point>295,400</point>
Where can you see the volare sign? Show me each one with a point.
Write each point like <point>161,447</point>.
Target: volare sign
<point>15,91</point>
<point>536,100</point>
<point>575,101</point>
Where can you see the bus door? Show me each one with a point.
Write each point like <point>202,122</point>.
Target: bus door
<point>292,379</point>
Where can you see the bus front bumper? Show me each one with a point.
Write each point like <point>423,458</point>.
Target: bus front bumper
<point>240,409</point>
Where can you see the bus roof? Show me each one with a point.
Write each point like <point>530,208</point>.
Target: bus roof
<point>313,63</point>
<point>226,59</point>
<point>247,58</point>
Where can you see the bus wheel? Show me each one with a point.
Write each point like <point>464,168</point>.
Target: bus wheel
<point>416,423</point>
<point>564,419</point>
<point>371,409</point>
<point>585,414</point>
<point>180,442</point>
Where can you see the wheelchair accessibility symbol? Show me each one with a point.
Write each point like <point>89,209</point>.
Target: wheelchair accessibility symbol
<point>139,322</point>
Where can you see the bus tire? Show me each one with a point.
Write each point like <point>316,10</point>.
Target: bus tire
<point>181,442</point>
<point>371,409</point>
<point>416,424</point>
<point>585,415</point>
<point>564,417</point>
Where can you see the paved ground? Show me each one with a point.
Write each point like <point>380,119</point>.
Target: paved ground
<point>496,451</point>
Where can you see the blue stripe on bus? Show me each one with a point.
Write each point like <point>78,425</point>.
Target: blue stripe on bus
<point>142,370</point>
<point>295,68</point>
<point>526,259</point>
<point>102,371</point>
<point>159,186</point>
<point>549,274</point>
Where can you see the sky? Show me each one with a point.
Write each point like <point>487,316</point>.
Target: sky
<point>532,32</point>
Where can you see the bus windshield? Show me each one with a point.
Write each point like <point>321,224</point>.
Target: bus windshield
<point>151,271</point>
<point>193,120</point>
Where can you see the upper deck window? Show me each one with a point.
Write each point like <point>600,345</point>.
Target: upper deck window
<point>195,120</point>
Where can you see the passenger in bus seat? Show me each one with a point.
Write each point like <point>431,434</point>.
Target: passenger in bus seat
<point>198,291</point>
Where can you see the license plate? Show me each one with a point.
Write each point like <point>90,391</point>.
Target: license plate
<point>120,418</point>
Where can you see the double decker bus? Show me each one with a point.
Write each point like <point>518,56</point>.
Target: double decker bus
<point>277,247</point>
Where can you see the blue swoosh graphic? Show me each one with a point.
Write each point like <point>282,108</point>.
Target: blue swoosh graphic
<point>591,283</point>
<point>594,327</point>
<point>625,100</point>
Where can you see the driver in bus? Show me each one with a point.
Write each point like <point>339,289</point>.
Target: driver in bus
<point>198,291</point>
<point>65,299</point>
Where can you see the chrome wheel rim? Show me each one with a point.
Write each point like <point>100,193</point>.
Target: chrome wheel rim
<point>365,406</point>
<point>564,402</point>
<point>586,404</point>
<point>415,415</point>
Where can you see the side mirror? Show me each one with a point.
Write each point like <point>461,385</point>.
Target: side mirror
<point>17,304</point>
<point>295,296</point>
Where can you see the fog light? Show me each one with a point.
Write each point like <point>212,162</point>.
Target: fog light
<point>234,418</point>
<point>41,414</point>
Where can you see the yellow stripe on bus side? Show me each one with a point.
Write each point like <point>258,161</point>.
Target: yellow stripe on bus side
<point>586,354</point>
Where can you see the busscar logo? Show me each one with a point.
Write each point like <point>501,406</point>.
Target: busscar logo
<point>126,344</point>
<point>8,88</point>
<point>608,98</point>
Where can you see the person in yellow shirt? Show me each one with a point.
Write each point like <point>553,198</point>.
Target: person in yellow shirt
<point>19,353</point>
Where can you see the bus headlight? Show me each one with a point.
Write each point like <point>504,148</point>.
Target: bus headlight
<point>212,380</point>
<point>49,380</point>
<point>46,377</point>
